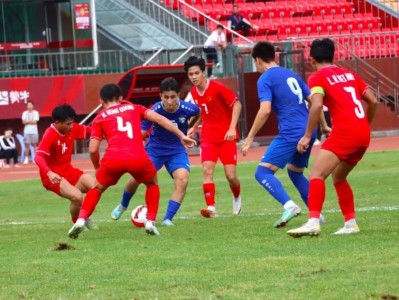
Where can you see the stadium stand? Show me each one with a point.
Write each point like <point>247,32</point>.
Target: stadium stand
<point>363,34</point>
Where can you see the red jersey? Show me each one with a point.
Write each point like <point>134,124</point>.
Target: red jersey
<point>343,90</point>
<point>58,147</point>
<point>120,125</point>
<point>216,108</point>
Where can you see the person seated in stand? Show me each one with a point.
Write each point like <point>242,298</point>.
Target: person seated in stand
<point>236,22</point>
<point>8,149</point>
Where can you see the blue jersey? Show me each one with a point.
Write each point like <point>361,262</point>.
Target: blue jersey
<point>287,92</point>
<point>162,141</point>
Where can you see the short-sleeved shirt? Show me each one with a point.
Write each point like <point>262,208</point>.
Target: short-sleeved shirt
<point>287,92</point>
<point>162,141</point>
<point>58,147</point>
<point>343,90</point>
<point>120,125</point>
<point>215,38</point>
<point>30,116</point>
<point>216,106</point>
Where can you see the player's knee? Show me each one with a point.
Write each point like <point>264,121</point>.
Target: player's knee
<point>76,197</point>
<point>261,172</point>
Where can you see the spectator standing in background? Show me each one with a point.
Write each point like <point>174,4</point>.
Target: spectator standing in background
<point>215,42</point>
<point>30,117</point>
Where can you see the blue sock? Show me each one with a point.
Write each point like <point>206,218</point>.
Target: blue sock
<point>172,209</point>
<point>270,183</point>
<point>301,183</point>
<point>126,199</point>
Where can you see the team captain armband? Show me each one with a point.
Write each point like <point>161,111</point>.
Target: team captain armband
<point>317,90</point>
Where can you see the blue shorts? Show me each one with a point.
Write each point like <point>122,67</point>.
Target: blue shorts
<point>281,152</point>
<point>171,162</point>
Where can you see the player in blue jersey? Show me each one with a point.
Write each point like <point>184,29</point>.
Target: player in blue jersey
<point>165,149</point>
<point>284,92</point>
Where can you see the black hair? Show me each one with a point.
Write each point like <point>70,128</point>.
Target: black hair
<point>63,112</point>
<point>110,92</point>
<point>194,61</point>
<point>29,101</point>
<point>322,50</point>
<point>219,26</point>
<point>169,84</point>
<point>265,51</point>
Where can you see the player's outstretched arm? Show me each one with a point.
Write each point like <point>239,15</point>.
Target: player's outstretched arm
<point>260,119</point>
<point>168,125</point>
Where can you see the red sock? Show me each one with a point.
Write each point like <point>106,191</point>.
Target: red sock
<point>317,194</point>
<point>89,203</point>
<point>152,195</point>
<point>345,199</point>
<point>236,190</point>
<point>209,193</point>
<point>74,219</point>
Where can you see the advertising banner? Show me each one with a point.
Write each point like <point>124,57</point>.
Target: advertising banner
<point>44,92</point>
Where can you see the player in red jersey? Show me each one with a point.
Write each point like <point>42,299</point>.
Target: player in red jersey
<point>220,110</point>
<point>341,91</point>
<point>54,155</point>
<point>120,124</point>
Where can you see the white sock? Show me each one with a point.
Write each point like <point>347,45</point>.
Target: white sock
<point>289,204</point>
<point>211,208</point>
<point>314,221</point>
<point>80,222</point>
<point>351,222</point>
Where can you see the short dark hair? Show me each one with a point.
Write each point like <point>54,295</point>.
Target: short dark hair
<point>194,61</point>
<point>322,50</point>
<point>29,101</point>
<point>110,92</point>
<point>63,112</point>
<point>219,26</point>
<point>169,84</point>
<point>264,51</point>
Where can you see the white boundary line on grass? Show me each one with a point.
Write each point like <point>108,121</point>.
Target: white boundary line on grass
<point>361,209</point>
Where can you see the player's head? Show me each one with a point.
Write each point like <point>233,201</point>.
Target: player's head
<point>110,92</point>
<point>235,9</point>
<point>322,51</point>
<point>169,93</point>
<point>219,28</point>
<point>63,116</point>
<point>263,52</point>
<point>195,69</point>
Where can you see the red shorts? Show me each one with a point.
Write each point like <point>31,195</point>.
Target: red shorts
<point>350,155</point>
<point>226,151</point>
<point>71,174</point>
<point>110,171</point>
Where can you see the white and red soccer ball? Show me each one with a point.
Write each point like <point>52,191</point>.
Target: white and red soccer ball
<point>139,216</point>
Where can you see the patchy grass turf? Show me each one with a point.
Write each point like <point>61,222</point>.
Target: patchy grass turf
<point>230,257</point>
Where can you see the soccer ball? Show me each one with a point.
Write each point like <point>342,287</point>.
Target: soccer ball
<point>139,216</point>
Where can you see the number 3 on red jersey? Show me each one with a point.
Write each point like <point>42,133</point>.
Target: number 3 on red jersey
<point>359,111</point>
